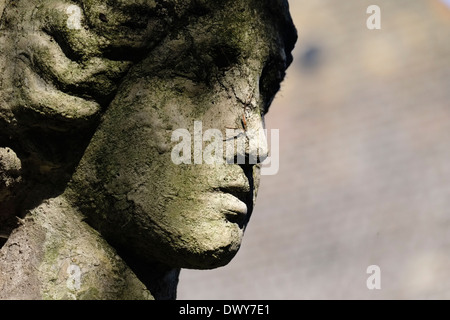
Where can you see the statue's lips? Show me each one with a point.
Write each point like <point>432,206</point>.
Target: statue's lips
<point>234,210</point>
<point>233,204</point>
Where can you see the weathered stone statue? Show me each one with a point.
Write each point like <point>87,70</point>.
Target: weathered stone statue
<point>91,204</point>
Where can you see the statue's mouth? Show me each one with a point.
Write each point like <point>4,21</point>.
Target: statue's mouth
<point>235,203</point>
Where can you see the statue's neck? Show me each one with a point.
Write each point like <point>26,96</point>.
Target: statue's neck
<point>54,254</point>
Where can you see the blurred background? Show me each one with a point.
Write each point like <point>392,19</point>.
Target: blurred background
<point>364,179</point>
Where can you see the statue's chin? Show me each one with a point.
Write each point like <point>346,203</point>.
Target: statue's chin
<point>202,231</point>
<point>211,259</point>
<point>210,254</point>
<point>211,247</point>
<point>208,241</point>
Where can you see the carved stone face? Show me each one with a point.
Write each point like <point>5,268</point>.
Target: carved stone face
<point>222,75</point>
<point>188,215</point>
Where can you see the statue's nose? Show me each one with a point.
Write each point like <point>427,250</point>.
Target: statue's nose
<point>250,143</point>
<point>257,149</point>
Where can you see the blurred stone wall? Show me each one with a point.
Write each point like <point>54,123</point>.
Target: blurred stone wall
<point>364,179</point>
